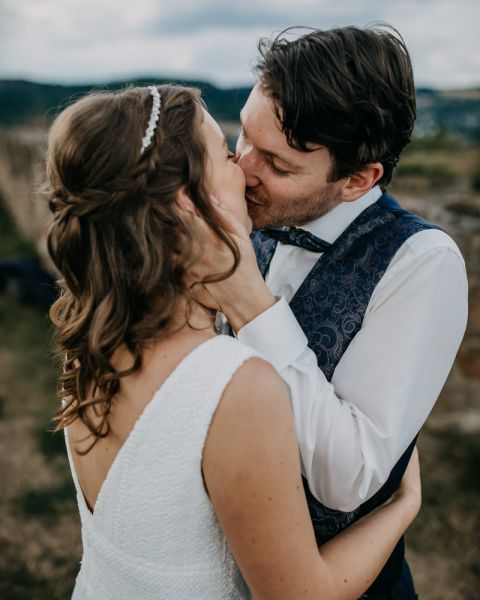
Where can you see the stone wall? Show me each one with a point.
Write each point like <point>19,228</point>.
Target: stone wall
<point>22,153</point>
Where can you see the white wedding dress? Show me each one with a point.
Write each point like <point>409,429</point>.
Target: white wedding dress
<point>154,534</point>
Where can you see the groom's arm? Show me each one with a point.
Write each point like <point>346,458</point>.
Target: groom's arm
<point>353,430</point>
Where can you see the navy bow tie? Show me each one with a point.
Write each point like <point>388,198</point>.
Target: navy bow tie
<point>298,237</point>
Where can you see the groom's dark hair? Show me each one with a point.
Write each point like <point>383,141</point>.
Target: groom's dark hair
<point>348,89</point>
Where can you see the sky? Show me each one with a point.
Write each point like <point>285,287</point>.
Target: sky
<point>91,41</point>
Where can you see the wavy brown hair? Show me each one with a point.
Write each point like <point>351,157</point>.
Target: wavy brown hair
<point>118,237</point>
<point>349,89</point>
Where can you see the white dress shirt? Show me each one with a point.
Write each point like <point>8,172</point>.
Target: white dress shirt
<point>352,431</point>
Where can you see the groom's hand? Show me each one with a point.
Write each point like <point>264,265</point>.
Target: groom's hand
<point>244,295</point>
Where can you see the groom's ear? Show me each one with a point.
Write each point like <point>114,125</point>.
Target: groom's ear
<point>184,202</point>
<point>360,183</point>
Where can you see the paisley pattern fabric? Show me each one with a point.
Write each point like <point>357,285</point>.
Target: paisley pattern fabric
<point>330,306</point>
<point>264,249</point>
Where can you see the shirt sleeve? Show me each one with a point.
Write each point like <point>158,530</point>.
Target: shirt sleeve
<point>352,431</point>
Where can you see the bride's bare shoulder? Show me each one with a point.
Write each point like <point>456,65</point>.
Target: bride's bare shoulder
<point>254,370</point>
<point>255,389</point>
<point>253,414</point>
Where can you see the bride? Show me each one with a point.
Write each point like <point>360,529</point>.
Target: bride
<point>181,442</point>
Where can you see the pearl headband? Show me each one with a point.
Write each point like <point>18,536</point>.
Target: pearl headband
<point>152,124</point>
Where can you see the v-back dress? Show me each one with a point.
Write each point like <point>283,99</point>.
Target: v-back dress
<point>154,534</point>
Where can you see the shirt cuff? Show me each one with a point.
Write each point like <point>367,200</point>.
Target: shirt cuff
<point>276,334</point>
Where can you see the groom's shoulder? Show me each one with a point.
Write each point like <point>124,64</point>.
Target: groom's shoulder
<point>428,241</point>
<point>420,234</point>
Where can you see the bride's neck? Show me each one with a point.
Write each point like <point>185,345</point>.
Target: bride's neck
<point>187,326</point>
<point>194,318</point>
<point>198,323</point>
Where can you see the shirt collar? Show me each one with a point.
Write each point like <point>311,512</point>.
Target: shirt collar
<point>329,227</point>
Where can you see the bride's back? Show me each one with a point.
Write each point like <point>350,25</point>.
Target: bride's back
<point>154,528</point>
<point>160,359</point>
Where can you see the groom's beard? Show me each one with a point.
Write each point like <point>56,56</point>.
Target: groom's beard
<point>296,211</point>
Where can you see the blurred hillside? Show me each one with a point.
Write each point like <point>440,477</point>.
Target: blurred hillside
<point>438,177</point>
<point>453,113</point>
<point>450,113</point>
<point>28,103</point>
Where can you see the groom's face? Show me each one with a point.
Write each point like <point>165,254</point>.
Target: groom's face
<point>285,186</point>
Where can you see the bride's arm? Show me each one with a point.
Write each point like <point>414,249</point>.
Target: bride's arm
<point>252,472</point>
<point>372,534</point>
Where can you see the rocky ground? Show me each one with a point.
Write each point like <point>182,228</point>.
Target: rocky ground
<point>39,528</point>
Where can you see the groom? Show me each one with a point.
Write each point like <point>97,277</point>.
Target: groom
<point>359,304</point>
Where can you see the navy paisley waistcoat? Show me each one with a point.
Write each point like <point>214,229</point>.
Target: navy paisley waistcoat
<point>330,306</point>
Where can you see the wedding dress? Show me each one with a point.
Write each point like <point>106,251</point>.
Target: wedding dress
<point>154,534</point>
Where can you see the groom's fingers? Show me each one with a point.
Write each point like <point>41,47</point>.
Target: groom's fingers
<point>234,224</point>
<point>206,236</point>
<point>211,242</point>
<point>215,256</point>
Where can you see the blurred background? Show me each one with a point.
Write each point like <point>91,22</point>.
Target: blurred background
<point>52,52</point>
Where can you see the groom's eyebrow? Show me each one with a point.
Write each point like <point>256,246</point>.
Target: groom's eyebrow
<point>269,153</point>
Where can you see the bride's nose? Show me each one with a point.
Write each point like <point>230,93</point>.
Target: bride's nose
<point>249,165</point>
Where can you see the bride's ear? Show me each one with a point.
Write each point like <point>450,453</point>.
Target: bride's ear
<point>184,202</point>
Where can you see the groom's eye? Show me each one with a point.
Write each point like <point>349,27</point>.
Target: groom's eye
<point>276,169</point>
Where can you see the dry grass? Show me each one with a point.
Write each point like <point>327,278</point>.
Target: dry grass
<point>39,528</point>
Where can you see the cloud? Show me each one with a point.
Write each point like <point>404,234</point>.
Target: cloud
<point>443,41</point>
<point>218,14</point>
<point>95,40</point>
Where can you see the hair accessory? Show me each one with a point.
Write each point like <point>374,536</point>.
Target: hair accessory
<point>152,124</point>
